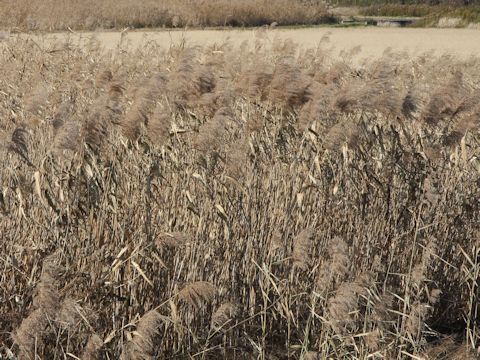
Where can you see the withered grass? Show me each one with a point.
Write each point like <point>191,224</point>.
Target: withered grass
<point>237,203</point>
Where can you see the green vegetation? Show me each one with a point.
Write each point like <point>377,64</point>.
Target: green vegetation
<point>467,14</point>
<point>397,10</point>
<point>364,3</point>
<point>434,13</point>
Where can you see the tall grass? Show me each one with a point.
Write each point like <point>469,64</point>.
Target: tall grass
<point>107,14</point>
<point>237,203</point>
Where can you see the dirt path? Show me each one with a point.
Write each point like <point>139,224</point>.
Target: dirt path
<point>373,41</point>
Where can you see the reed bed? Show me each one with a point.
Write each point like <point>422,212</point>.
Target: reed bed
<point>48,15</point>
<point>254,202</point>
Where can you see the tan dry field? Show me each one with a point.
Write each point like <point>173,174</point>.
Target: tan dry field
<point>372,41</point>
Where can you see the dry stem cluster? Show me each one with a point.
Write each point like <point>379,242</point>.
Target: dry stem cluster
<point>106,14</point>
<point>237,203</point>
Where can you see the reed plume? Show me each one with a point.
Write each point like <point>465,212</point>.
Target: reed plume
<point>173,240</point>
<point>445,100</point>
<point>19,145</point>
<point>302,248</point>
<point>33,330</point>
<point>345,302</point>
<point>36,101</point>
<point>197,293</point>
<point>103,79</point>
<point>224,315</point>
<point>335,268</point>
<point>159,124</point>
<point>144,341</point>
<point>212,134</point>
<point>237,159</point>
<point>289,88</point>
<point>93,348</point>
<point>147,93</point>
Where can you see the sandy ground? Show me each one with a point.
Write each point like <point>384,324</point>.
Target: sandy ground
<point>372,41</point>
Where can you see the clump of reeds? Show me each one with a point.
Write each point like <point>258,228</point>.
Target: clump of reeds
<point>330,219</point>
<point>90,15</point>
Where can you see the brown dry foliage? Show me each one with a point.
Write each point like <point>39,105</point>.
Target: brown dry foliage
<point>321,203</point>
<point>107,14</point>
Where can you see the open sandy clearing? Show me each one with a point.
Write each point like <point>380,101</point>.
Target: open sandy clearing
<point>373,41</point>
